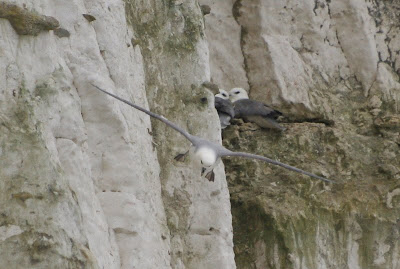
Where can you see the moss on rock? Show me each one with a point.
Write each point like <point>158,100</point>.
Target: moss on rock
<point>27,22</point>
<point>285,220</point>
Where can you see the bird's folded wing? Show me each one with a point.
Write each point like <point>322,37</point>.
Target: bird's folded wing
<point>248,107</point>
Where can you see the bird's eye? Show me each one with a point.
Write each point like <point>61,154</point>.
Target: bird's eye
<point>224,95</point>
<point>237,92</point>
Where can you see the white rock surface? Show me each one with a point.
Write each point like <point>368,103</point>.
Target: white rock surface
<point>177,63</point>
<point>223,35</point>
<point>290,47</point>
<point>355,30</point>
<point>87,181</point>
<point>99,153</point>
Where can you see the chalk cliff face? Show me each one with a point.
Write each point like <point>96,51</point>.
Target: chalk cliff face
<point>333,68</point>
<point>86,181</point>
<point>89,182</point>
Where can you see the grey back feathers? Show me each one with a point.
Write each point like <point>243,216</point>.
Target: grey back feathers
<point>247,107</point>
<point>254,111</point>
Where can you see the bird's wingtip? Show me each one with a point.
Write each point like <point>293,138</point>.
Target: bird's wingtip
<point>327,180</point>
<point>94,85</point>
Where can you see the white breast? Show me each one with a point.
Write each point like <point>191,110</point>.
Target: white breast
<point>207,156</point>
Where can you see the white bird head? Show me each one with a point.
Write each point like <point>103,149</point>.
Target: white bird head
<point>238,94</point>
<point>207,156</point>
<point>222,94</point>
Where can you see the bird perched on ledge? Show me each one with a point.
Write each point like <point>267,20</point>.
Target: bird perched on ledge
<point>209,152</point>
<point>254,111</point>
<point>224,107</point>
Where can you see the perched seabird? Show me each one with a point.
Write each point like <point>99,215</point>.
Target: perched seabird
<point>224,107</point>
<point>209,152</point>
<point>254,111</point>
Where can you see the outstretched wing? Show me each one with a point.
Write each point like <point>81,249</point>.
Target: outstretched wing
<point>268,160</point>
<point>224,106</point>
<point>248,107</point>
<point>154,115</point>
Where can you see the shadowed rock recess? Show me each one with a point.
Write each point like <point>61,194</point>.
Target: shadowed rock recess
<point>89,182</point>
<point>333,68</point>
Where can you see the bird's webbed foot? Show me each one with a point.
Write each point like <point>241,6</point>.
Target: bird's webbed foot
<point>210,176</point>
<point>181,157</point>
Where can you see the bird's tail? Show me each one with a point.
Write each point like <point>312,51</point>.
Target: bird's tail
<point>277,126</point>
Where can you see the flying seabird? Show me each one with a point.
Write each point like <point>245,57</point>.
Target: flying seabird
<point>224,107</point>
<point>209,152</point>
<point>254,111</point>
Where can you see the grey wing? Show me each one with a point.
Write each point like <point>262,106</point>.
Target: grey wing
<point>268,160</point>
<point>265,122</point>
<point>154,115</point>
<point>224,106</point>
<point>248,107</point>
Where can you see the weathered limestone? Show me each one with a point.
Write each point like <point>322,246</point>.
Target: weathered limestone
<point>86,181</point>
<point>355,31</point>
<point>171,36</point>
<point>82,184</point>
<point>223,34</point>
<point>38,86</point>
<point>41,221</point>
<point>284,220</point>
<point>321,61</point>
